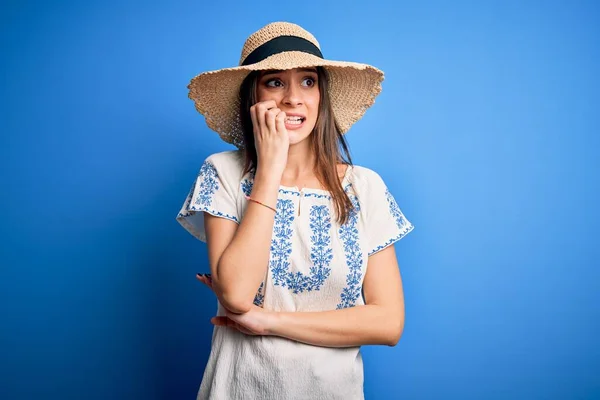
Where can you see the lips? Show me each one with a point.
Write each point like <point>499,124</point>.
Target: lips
<point>294,121</point>
<point>294,117</point>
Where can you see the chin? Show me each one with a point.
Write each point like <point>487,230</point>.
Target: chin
<point>298,136</point>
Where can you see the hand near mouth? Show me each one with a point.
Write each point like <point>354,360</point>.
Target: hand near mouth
<point>270,136</point>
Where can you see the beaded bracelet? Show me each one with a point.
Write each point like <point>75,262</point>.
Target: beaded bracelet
<point>263,204</point>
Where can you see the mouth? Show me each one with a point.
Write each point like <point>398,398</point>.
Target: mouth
<point>294,121</point>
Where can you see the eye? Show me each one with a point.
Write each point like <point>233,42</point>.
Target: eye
<point>308,81</point>
<point>273,83</point>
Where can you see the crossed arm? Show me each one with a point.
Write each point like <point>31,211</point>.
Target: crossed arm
<point>379,321</point>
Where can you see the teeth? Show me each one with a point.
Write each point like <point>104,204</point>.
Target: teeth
<point>293,120</point>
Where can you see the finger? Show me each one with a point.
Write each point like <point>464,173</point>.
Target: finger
<point>261,109</point>
<point>219,321</point>
<point>207,280</point>
<point>254,118</point>
<point>246,331</point>
<point>280,122</point>
<point>270,119</point>
<point>224,321</point>
<point>230,323</point>
<point>241,328</point>
<point>233,325</point>
<point>268,104</point>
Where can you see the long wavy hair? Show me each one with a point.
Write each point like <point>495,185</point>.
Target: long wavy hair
<point>327,141</point>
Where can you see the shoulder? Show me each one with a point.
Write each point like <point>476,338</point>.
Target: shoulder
<point>227,164</point>
<point>369,187</point>
<point>365,178</point>
<point>226,159</point>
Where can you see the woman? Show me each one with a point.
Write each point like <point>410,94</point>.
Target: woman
<point>295,232</point>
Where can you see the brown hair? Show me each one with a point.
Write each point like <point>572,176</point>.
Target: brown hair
<point>326,141</point>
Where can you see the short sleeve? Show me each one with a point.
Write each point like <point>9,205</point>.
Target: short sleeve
<point>385,223</point>
<point>214,192</point>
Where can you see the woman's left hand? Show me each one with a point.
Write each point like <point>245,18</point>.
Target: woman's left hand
<point>257,321</point>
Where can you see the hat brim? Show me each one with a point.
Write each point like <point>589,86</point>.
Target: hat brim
<point>352,90</point>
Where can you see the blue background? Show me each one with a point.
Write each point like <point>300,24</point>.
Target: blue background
<point>486,132</point>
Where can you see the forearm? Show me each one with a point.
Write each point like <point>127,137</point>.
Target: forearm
<point>243,265</point>
<point>348,327</point>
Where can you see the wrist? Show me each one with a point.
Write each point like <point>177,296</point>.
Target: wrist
<point>276,320</point>
<point>267,177</point>
<point>265,188</point>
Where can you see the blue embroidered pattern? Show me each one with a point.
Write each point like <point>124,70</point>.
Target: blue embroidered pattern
<point>281,243</point>
<point>395,210</point>
<point>401,222</point>
<point>207,187</point>
<point>209,184</point>
<point>281,249</point>
<point>188,201</point>
<point>318,196</point>
<point>292,192</point>
<point>247,186</point>
<point>321,252</point>
<point>349,235</point>
<point>259,298</point>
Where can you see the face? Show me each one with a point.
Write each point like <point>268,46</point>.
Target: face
<point>296,92</point>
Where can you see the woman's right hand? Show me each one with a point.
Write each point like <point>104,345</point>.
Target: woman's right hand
<point>270,137</point>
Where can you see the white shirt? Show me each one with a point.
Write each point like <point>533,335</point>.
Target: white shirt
<point>315,265</point>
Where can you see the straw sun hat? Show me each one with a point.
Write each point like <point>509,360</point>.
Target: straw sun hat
<point>280,46</point>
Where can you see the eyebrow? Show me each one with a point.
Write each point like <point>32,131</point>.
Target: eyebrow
<point>277,71</point>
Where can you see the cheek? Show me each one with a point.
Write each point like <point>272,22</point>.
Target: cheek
<point>264,95</point>
<point>259,95</point>
<point>312,103</point>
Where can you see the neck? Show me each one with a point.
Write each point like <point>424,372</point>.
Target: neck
<point>300,162</point>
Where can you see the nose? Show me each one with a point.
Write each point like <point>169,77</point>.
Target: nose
<point>292,96</point>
